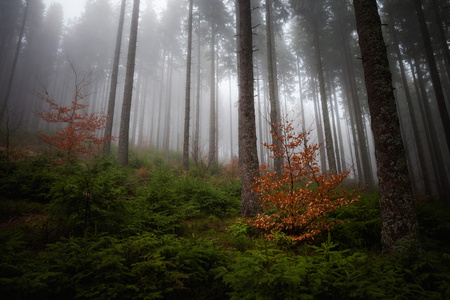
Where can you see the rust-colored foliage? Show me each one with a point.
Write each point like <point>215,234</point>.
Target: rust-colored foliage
<point>298,200</point>
<point>79,134</point>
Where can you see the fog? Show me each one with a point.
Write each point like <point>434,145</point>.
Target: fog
<point>315,45</point>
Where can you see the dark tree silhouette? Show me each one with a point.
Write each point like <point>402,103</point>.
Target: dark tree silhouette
<point>113,88</point>
<point>128,91</point>
<point>187,109</point>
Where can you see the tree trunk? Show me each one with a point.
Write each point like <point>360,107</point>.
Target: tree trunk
<point>128,91</point>
<point>187,108</point>
<point>247,138</point>
<point>196,150</point>
<point>16,56</point>
<point>362,155</point>
<point>414,122</point>
<point>168,107</point>
<point>272,78</point>
<point>113,87</point>
<point>435,80</point>
<point>212,111</point>
<point>323,100</point>
<point>399,227</point>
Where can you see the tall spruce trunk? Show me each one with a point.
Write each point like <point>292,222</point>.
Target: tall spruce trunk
<point>331,159</point>
<point>196,150</point>
<point>122,155</point>
<point>247,138</point>
<point>272,79</point>
<point>113,86</point>
<point>212,111</point>
<point>399,227</point>
<point>187,104</point>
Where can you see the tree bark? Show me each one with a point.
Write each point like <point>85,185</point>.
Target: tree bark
<point>247,128</point>
<point>187,107</point>
<point>399,227</point>
<point>122,155</point>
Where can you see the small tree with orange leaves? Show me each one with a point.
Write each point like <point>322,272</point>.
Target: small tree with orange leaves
<point>79,134</point>
<point>297,201</point>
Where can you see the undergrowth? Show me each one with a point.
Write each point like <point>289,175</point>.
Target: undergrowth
<point>93,230</point>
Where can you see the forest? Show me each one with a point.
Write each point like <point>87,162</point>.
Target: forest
<point>225,149</point>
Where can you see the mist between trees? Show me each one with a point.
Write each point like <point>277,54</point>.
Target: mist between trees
<point>307,68</point>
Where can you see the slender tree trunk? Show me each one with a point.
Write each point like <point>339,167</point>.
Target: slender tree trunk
<point>340,139</point>
<point>272,79</point>
<point>335,127</point>
<point>320,137</point>
<point>135,109</point>
<point>231,117</point>
<point>196,145</point>
<point>144,96</point>
<point>187,107</point>
<point>435,80</point>
<point>362,155</point>
<point>440,173</point>
<point>323,99</point>
<point>161,102</point>
<point>260,124</point>
<point>442,36</point>
<point>399,227</point>
<point>167,123</point>
<point>414,123</point>
<point>128,91</point>
<point>113,87</point>
<point>212,111</point>
<point>16,56</point>
<point>301,94</point>
<point>247,138</point>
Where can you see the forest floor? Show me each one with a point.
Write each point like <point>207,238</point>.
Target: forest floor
<point>93,230</point>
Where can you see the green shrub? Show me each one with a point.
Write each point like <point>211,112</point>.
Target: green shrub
<point>434,223</point>
<point>30,179</point>
<point>362,227</point>
<point>327,274</point>
<point>201,197</point>
<point>89,196</point>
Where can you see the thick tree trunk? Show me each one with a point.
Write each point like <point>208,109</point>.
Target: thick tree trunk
<point>247,138</point>
<point>399,227</point>
<point>187,104</point>
<point>128,91</point>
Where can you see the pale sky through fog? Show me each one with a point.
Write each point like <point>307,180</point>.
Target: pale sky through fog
<point>74,8</point>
